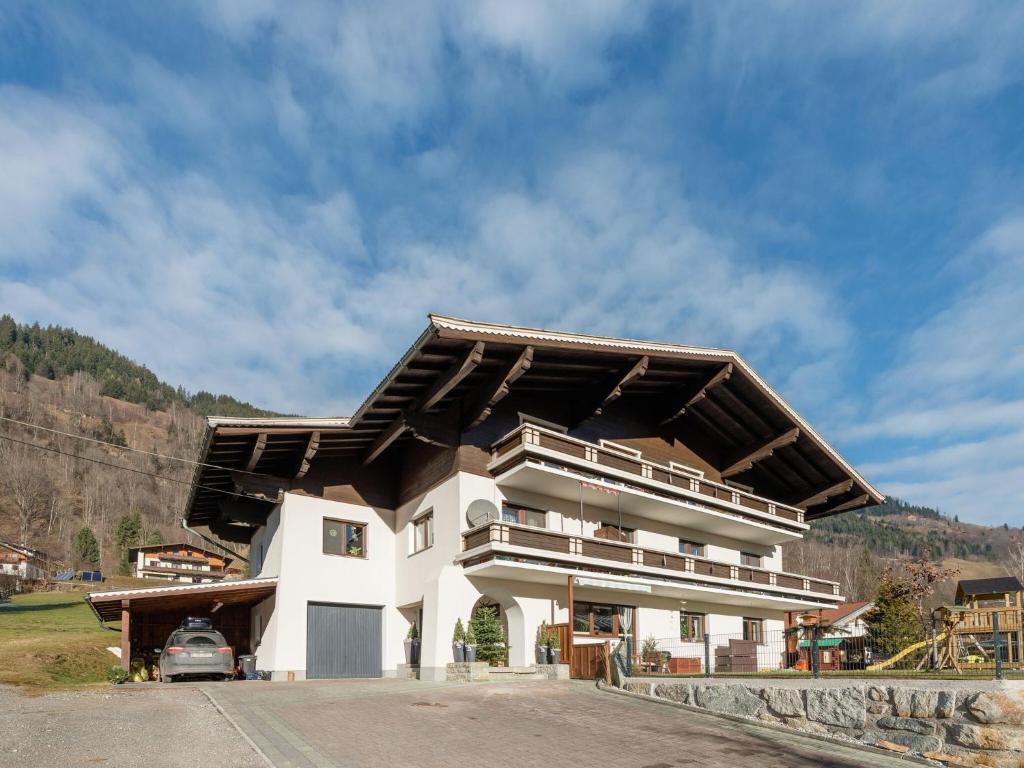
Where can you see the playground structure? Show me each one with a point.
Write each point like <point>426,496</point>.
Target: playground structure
<point>965,634</point>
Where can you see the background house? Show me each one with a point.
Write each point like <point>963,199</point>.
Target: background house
<point>178,562</point>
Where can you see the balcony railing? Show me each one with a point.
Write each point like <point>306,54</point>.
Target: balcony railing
<point>631,558</point>
<point>647,476</point>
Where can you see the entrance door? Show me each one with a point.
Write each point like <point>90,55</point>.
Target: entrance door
<point>342,641</point>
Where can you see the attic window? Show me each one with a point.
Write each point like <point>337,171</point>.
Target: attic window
<point>619,448</point>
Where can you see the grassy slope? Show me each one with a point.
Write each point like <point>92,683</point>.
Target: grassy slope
<point>52,639</point>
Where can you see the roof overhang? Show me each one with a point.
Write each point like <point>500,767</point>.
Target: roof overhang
<point>464,367</point>
<point>199,597</point>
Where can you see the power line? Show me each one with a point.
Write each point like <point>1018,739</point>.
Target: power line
<point>97,441</point>
<point>120,466</point>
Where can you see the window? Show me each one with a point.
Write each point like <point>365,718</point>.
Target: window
<point>513,513</point>
<point>746,558</point>
<point>691,626</point>
<point>692,548</point>
<point>620,448</point>
<point>596,619</point>
<point>423,532</point>
<point>345,538</point>
<point>753,629</point>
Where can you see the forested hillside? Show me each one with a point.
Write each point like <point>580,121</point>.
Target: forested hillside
<point>55,353</point>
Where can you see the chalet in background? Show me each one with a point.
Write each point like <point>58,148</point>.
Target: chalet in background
<point>178,562</point>
<point>24,563</point>
<point>609,487</point>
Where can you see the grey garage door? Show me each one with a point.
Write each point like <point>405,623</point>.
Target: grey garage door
<point>342,641</point>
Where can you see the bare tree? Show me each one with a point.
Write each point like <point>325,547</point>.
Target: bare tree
<point>1015,560</point>
<point>27,483</point>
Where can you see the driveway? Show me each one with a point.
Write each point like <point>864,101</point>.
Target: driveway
<point>417,724</point>
<point>157,726</point>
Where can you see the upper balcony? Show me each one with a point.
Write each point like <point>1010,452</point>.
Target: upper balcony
<point>540,460</point>
<point>523,553</point>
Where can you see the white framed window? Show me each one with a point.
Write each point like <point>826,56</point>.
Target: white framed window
<point>620,448</point>
<point>423,532</point>
<point>686,469</point>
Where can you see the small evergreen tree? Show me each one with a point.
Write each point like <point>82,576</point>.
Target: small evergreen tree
<point>490,637</point>
<point>87,550</point>
<point>892,622</point>
<point>459,635</point>
<point>129,534</point>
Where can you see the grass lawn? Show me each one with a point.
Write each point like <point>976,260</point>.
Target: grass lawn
<point>52,640</point>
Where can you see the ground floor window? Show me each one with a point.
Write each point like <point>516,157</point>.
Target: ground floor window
<point>600,619</point>
<point>691,626</point>
<point>753,629</point>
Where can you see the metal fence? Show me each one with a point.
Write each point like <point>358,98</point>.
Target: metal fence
<point>986,652</point>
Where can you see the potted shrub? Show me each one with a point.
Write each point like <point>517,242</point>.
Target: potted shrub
<point>649,653</point>
<point>488,635</point>
<point>470,644</point>
<point>554,648</point>
<point>459,642</point>
<point>412,645</point>
<point>541,651</point>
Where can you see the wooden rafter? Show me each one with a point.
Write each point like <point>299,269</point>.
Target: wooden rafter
<point>476,412</point>
<point>257,451</point>
<point>678,409</point>
<point>434,429</point>
<point>853,503</point>
<point>307,457</point>
<point>824,493</point>
<point>450,379</point>
<point>444,384</point>
<point>390,433</point>
<point>744,460</point>
<point>262,487</point>
<point>610,389</point>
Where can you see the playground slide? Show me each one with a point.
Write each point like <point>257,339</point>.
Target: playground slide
<point>908,650</point>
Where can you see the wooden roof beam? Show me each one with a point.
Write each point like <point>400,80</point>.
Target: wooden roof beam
<point>257,451</point>
<point>451,378</point>
<point>609,389</point>
<point>744,460</point>
<point>675,411</point>
<point>477,411</point>
<point>444,384</point>
<point>312,445</point>
<point>824,493</point>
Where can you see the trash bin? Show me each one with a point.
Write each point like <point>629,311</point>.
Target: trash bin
<point>247,664</point>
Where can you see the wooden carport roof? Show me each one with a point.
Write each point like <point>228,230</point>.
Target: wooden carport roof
<point>199,597</point>
<point>451,378</point>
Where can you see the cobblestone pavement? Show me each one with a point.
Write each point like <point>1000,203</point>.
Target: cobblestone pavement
<point>409,723</point>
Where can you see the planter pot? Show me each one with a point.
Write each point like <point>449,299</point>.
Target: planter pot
<point>458,652</point>
<point>541,652</point>
<point>470,653</point>
<point>412,652</point>
<point>556,655</point>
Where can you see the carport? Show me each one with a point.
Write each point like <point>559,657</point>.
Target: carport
<point>149,615</point>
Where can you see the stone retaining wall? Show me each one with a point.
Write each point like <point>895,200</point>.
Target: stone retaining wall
<point>479,671</point>
<point>953,724</point>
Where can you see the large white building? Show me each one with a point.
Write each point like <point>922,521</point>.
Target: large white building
<point>620,488</point>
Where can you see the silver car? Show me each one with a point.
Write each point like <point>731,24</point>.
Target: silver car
<point>196,652</point>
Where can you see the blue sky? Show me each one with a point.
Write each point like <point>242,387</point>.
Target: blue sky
<point>266,199</point>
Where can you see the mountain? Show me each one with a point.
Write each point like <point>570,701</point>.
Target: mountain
<point>55,353</point>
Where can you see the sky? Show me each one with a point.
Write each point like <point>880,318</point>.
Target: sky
<point>266,199</point>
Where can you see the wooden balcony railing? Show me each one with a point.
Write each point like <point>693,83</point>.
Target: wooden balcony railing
<point>627,557</point>
<point>648,477</point>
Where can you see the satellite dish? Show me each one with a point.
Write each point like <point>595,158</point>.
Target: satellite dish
<point>481,511</point>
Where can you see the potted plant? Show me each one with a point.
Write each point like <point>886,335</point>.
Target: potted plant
<point>412,645</point>
<point>488,635</point>
<point>459,642</point>
<point>650,654</point>
<point>470,644</point>
<point>541,650</point>
<point>554,648</point>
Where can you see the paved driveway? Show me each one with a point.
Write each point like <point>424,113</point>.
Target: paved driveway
<point>409,723</point>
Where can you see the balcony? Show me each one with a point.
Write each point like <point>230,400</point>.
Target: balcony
<point>539,460</point>
<point>522,553</point>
